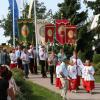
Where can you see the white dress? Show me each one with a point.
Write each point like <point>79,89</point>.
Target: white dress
<point>72,71</point>
<point>89,72</point>
<point>79,65</point>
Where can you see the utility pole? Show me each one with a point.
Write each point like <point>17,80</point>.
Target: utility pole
<point>13,23</point>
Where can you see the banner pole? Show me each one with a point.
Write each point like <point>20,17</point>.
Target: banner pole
<point>13,25</point>
<point>35,20</point>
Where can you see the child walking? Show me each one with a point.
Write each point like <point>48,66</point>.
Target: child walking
<point>72,73</point>
<point>89,77</point>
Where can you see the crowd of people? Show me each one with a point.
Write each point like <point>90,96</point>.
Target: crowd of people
<point>69,71</point>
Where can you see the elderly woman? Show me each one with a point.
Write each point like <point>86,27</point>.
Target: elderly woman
<point>8,86</point>
<point>4,84</point>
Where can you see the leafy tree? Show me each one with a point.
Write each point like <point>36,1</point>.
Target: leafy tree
<point>6,23</point>
<point>95,7</point>
<point>72,11</point>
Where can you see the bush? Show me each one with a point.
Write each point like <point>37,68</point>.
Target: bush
<point>81,55</point>
<point>97,68</point>
<point>30,91</point>
<point>96,58</point>
<point>25,88</point>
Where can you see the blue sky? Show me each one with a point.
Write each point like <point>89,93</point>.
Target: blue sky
<point>50,4</point>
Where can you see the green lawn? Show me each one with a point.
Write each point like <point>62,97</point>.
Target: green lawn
<point>97,78</point>
<point>31,91</point>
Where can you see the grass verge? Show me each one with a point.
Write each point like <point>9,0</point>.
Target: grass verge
<point>30,91</point>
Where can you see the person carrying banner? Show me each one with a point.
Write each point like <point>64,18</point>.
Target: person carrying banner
<point>79,66</point>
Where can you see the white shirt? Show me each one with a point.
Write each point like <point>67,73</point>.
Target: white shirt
<point>18,53</point>
<point>63,69</point>
<point>61,55</point>
<point>83,72</point>
<point>57,71</point>
<point>72,71</point>
<point>42,55</point>
<point>13,58</point>
<point>30,53</point>
<point>89,72</point>
<point>79,65</point>
<point>25,58</point>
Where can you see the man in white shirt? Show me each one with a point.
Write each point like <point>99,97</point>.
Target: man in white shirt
<point>43,59</point>
<point>33,63</point>
<point>18,57</point>
<point>25,62</point>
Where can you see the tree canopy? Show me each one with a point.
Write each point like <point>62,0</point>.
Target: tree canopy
<point>72,11</point>
<point>6,23</point>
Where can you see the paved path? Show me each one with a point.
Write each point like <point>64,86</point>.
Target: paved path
<point>81,95</point>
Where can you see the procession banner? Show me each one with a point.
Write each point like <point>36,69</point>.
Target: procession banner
<point>49,33</point>
<point>71,34</point>
<point>26,30</point>
<point>61,30</point>
<point>41,31</point>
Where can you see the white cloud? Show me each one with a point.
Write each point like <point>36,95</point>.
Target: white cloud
<point>3,39</point>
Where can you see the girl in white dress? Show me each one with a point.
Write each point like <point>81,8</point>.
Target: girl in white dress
<point>72,73</point>
<point>89,77</point>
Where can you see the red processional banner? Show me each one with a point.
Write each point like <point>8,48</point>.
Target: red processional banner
<point>70,34</point>
<point>49,33</point>
<point>61,30</point>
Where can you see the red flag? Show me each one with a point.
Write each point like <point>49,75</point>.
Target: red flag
<point>49,33</point>
<point>61,30</point>
<point>70,34</point>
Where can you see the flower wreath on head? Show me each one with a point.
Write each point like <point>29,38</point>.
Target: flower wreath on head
<point>5,72</point>
<point>2,69</point>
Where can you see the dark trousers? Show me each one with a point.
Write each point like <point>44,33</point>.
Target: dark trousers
<point>26,69</point>
<point>33,65</point>
<point>19,63</point>
<point>51,73</point>
<point>43,68</point>
<point>46,66</point>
